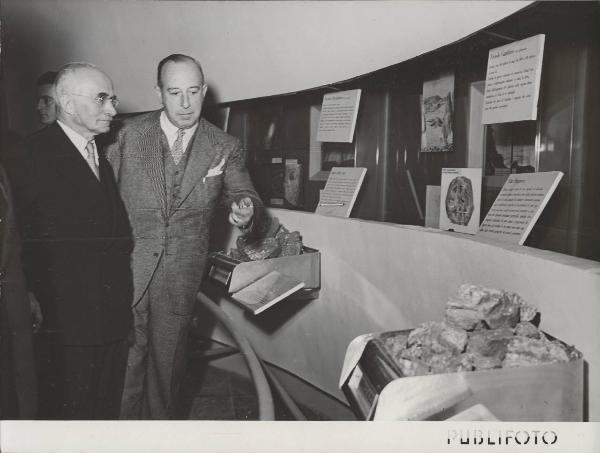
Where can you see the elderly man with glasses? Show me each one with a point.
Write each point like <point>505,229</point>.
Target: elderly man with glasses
<point>77,242</point>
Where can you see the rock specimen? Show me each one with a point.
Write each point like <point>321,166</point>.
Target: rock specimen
<point>525,351</point>
<point>275,242</point>
<point>438,336</point>
<point>483,329</point>
<point>490,343</point>
<point>474,304</point>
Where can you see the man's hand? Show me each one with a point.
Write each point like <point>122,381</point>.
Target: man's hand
<point>36,313</point>
<point>241,213</point>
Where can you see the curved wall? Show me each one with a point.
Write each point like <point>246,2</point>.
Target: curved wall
<point>248,48</point>
<point>378,276</point>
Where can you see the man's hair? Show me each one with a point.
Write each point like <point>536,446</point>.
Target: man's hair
<point>67,71</point>
<point>47,78</point>
<point>176,58</point>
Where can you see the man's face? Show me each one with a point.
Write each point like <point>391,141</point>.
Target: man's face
<point>182,93</point>
<point>88,115</point>
<point>46,106</point>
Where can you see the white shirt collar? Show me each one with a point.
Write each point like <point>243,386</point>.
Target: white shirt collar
<point>78,140</point>
<point>170,131</point>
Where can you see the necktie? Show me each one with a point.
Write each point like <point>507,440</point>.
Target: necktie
<point>91,158</point>
<point>177,149</point>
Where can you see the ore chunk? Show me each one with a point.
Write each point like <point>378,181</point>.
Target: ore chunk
<point>439,337</point>
<point>483,329</point>
<point>394,343</point>
<point>453,337</point>
<point>473,305</point>
<point>464,362</point>
<point>481,362</point>
<point>412,368</point>
<point>291,243</point>
<point>237,255</point>
<point>490,343</point>
<point>527,312</point>
<point>504,314</point>
<point>526,329</point>
<point>262,249</point>
<point>413,352</point>
<point>440,363</point>
<point>432,348</point>
<point>524,351</point>
<point>463,318</point>
<point>274,241</point>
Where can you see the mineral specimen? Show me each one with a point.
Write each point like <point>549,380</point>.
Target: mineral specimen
<point>275,242</point>
<point>527,329</point>
<point>475,304</point>
<point>490,343</point>
<point>524,351</point>
<point>483,329</point>
<point>438,336</point>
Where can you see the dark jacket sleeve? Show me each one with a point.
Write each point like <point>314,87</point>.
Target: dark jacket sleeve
<point>15,318</point>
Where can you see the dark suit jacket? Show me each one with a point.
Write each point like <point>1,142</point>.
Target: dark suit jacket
<point>176,231</point>
<point>17,374</point>
<point>77,242</point>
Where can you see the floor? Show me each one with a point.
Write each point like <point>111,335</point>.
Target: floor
<point>211,393</point>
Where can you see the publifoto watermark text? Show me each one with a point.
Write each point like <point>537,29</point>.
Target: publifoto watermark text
<point>528,437</point>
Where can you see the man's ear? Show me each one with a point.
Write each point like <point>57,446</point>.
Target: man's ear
<point>158,93</point>
<point>204,89</point>
<point>66,104</point>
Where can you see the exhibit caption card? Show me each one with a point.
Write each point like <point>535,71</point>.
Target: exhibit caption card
<point>518,206</point>
<point>341,190</point>
<point>460,199</point>
<point>338,116</point>
<point>512,83</point>
<point>267,291</point>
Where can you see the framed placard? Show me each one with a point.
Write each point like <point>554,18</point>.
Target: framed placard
<point>519,205</point>
<point>460,199</point>
<point>341,190</point>
<point>338,116</point>
<point>512,83</point>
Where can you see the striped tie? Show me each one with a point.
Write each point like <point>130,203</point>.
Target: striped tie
<point>91,158</point>
<point>177,150</point>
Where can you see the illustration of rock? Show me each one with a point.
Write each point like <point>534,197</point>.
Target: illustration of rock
<point>459,201</point>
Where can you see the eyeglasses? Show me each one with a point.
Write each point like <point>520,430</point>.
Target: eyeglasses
<point>101,98</point>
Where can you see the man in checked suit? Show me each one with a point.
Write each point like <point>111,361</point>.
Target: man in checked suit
<point>173,169</point>
<point>77,244</point>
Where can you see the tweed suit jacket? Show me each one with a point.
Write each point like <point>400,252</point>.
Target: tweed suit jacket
<point>175,231</point>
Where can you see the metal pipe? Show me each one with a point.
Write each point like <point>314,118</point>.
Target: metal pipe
<point>266,409</point>
<point>290,404</point>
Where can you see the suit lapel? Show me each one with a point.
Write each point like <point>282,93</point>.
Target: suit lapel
<point>70,164</point>
<point>202,157</point>
<point>107,179</point>
<point>149,147</point>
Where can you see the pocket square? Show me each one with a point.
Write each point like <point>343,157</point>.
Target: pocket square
<point>216,170</point>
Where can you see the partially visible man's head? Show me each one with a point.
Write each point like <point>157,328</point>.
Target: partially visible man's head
<point>46,105</point>
<point>181,88</point>
<point>86,99</point>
